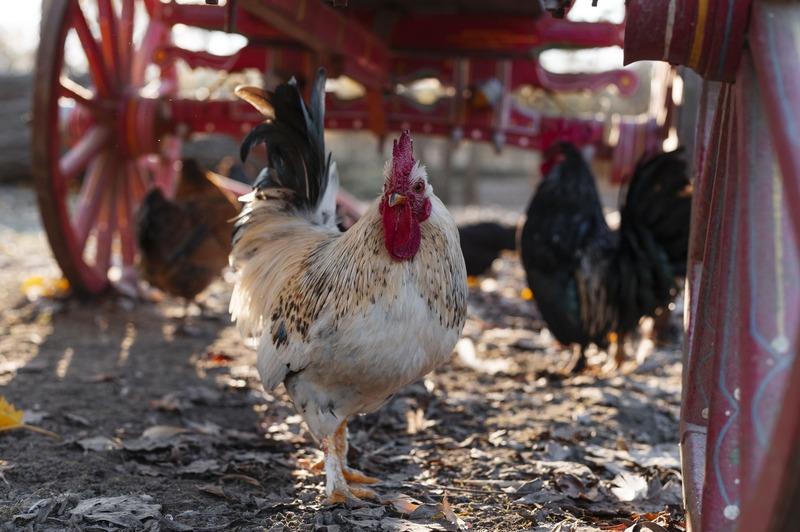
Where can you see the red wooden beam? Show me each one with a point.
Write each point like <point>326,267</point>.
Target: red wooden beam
<point>327,32</point>
<point>497,36</point>
<point>697,375</point>
<point>406,69</point>
<point>525,130</point>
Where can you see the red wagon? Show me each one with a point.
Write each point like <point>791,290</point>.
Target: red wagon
<point>102,140</point>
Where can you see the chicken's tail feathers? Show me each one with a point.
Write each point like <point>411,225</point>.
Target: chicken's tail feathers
<point>654,230</point>
<point>659,200</point>
<point>296,160</point>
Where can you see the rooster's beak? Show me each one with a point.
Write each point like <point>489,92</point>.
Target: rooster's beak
<point>396,199</point>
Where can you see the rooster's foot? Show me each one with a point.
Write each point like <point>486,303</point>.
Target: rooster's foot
<point>576,365</point>
<point>338,497</point>
<point>357,477</point>
<point>364,493</point>
<point>351,475</point>
<point>316,467</point>
<point>353,496</point>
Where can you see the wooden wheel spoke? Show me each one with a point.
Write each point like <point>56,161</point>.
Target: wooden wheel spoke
<point>90,198</point>
<point>108,39</point>
<point>107,222</point>
<point>126,46</point>
<point>93,54</point>
<point>155,35</point>
<point>79,156</point>
<point>126,209</point>
<point>78,93</point>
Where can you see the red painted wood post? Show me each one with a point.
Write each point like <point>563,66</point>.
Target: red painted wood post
<point>696,376</point>
<point>720,503</point>
<point>772,271</point>
<point>703,287</point>
<point>770,96</point>
<point>743,455</point>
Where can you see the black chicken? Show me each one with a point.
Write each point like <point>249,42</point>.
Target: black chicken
<point>590,281</point>
<point>482,243</point>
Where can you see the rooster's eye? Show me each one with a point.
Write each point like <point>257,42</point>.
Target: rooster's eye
<point>419,187</point>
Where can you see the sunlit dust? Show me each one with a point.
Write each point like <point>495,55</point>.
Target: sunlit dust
<point>63,364</point>
<point>125,346</point>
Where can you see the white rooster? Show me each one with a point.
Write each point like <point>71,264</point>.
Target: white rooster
<point>344,320</point>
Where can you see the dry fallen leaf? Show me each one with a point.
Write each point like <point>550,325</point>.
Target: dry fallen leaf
<point>243,478</point>
<point>212,489</point>
<point>99,444</point>
<point>37,286</point>
<point>12,418</point>
<point>199,467</point>
<point>451,516</point>
<point>403,503</point>
<point>125,511</point>
<point>156,437</point>
<point>393,524</point>
<point>217,358</point>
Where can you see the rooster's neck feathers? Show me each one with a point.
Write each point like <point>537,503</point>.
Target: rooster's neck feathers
<point>342,276</point>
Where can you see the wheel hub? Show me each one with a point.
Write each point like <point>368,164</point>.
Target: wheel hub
<point>141,125</point>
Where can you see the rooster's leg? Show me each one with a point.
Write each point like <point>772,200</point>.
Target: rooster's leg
<point>619,353</point>
<point>351,475</point>
<point>337,472</point>
<point>336,489</point>
<point>577,362</point>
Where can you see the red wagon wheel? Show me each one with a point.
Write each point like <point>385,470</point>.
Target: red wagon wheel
<point>96,146</point>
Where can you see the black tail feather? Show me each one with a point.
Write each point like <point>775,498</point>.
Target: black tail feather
<point>654,235</point>
<point>295,143</point>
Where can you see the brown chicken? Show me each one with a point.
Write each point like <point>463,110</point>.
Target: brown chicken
<point>343,320</point>
<point>184,242</point>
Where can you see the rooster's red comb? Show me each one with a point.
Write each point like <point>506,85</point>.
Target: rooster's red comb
<point>403,156</point>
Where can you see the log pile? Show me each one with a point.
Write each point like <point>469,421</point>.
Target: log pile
<point>15,105</point>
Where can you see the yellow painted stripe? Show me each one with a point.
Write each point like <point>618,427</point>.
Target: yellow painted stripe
<point>699,33</point>
<point>777,222</point>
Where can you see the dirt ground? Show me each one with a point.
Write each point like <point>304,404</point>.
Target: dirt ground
<point>166,430</point>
